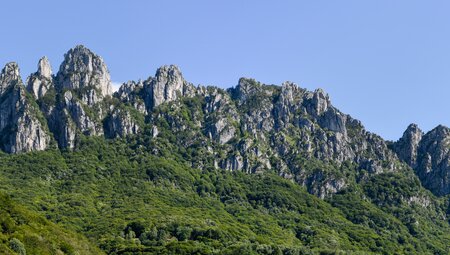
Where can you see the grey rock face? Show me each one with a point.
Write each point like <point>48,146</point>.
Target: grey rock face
<point>81,85</point>
<point>84,71</point>
<point>167,86</point>
<point>233,163</point>
<point>120,123</point>
<point>44,68</point>
<point>289,103</point>
<point>333,120</point>
<point>40,82</point>
<point>68,118</point>
<point>428,155</point>
<point>220,113</point>
<point>321,185</point>
<point>433,160</point>
<point>131,93</point>
<point>318,102</point>
<point>9,77</point>
<point>406,147</point>
<point>255,101</point>
<point>63,127</point>
<point>245,89</point>
<point>84,123</point>
<point>20,126</point>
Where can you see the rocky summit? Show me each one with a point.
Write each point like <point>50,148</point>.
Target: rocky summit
<point>163,166</point>
<point>22,126</point>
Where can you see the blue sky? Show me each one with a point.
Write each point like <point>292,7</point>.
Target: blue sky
<point>384,62</point>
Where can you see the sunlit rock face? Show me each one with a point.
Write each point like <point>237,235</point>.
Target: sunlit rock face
<point>40,82</point>
<point>22,127</point>
<point>85,72</point>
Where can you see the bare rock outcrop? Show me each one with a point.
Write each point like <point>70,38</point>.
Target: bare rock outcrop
<point>22,126</point>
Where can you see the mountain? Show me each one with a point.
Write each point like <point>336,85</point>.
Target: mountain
<point>164,166</point>
<point>252,127</point>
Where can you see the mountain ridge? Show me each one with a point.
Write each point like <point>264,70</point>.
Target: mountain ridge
<point>284,121</point>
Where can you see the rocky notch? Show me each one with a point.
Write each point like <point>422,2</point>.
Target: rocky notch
<point>22,126</point>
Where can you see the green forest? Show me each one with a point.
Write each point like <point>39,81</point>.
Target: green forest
<point>109,197</point>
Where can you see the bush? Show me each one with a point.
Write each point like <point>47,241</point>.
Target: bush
<point>17,246</point>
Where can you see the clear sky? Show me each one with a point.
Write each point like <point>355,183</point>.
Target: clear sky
<point>384,62</point>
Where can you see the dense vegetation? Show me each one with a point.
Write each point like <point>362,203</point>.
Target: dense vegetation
<point>128,201</point>
<point>24,232</point>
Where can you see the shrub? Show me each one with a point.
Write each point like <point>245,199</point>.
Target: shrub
<point>17,246</point>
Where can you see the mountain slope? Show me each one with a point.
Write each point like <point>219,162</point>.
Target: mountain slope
<point>25,232</point>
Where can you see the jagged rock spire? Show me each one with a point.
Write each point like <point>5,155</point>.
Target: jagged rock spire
<point>28,133</point>
<point>406,147</point>
<point>167,84</point>
<point>40,82</point>
<point>44,68</point>
<point>246,88</point>
<point>318,102</point>
<point>9,76</point>
<point>433,160</point>
<point>81,84</point>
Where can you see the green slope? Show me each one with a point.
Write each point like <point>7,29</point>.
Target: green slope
<point>24,232</point>
<point>128,201</point>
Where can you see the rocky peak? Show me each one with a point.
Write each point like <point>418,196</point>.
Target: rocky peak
<point>44,68</point>
<point>245,89</point>
<point>433,160</point>
<point>9,76</point>
<point>320,102</point>
<point>20,127</point>
<point>289,91</point>
<point>438,133</point>
<point>435,145</point>
<point>81,85</point>
<point>250,127</point>
<point>40,82</point>
<point>167,86</point>
<point>406,147</point>
<point>83,69</point>
<point>290,100</point>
